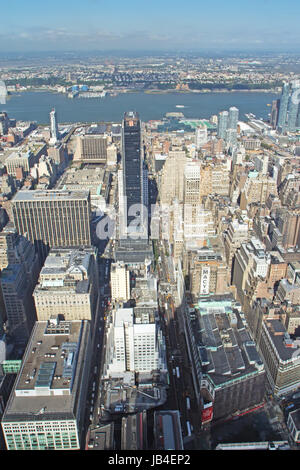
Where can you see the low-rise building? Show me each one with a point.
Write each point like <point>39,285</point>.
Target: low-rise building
<point>167,430</point>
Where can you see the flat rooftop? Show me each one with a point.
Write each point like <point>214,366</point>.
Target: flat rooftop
<point>168,430</point>
<point>224,344</point>
<point>281,339</point>
<point>134,432</point>
<point>101,437</point>
<point>48,381</point>
<point>50,194</point>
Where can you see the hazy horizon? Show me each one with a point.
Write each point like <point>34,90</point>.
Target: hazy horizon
<point>171,25</point>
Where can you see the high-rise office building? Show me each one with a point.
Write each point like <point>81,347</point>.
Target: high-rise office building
<point>172,183</point>
<point>281,355</point>
<point>46,409</point>
<point>235,235</point>
<point>53,218</point>
<point>24,160</point>
<point>251,263</point>
<point>68,285</point>
<point>133,246</point>
<point>4,122</point>
<point>54,132</point>
<point>19,266</point>
<point>19,306</point>
<point>257,189</point>
<point>132,161</point>
<point>120,282</point>
<point>201,136</point>
<point>132,342</point>
<point>91,149</point>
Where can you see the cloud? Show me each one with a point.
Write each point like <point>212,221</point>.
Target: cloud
<point>63,38</point>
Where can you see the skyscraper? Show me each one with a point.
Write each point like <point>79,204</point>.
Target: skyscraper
<point>120,282</point>
<point>132,160</point>
<point>233,118</point>
<point>68,284</point>
<point>274,113</point>
<point>133,221</point>
<point>200,136</point>
<point>222,124</point>
<point>54,133</point>
<point>283,107</point>
<point>19,266</point>
<point>293,106</point>
<point>53,218</point>
<point>133,342</point>
<point>3,92</point>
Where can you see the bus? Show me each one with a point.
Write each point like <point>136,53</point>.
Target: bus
<point>189,430</point>
<point>188,403</point>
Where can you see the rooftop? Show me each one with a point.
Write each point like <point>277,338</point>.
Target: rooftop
<point>49,378</point>
<point>225,347</point>
<point>66,269</point>
<point>285,346</point>
<point>50,194</point>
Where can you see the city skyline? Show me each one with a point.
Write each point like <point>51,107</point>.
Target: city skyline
<point>162,26</point>
<point>150,227</point>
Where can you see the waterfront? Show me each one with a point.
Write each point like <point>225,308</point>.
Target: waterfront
<point>35,106</point>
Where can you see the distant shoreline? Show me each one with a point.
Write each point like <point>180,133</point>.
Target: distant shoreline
<point>158,92</point>
<point>204,91</point>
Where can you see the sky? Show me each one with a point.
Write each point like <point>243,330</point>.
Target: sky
<point>163,25</point>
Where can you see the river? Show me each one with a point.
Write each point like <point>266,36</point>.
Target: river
<point>35,106</point>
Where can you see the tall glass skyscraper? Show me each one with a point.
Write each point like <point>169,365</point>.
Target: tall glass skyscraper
<point>133,218</point>
<point>289,116</point>
<point>233,118</point>
<point>293,106</point>
<point>283,107</point>
<point>132,168</point>
<point>222,124</point>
